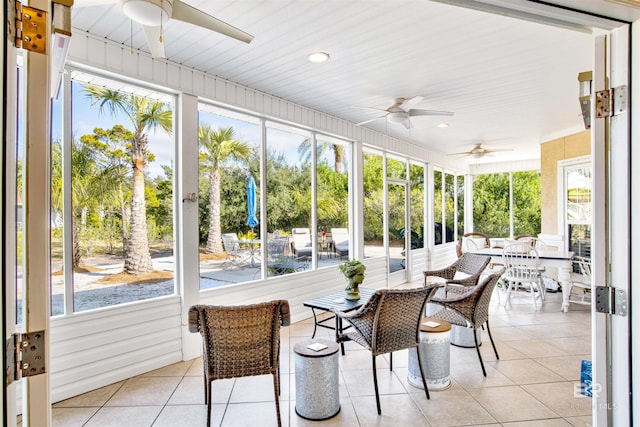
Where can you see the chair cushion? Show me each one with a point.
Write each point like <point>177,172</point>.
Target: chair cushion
<point>460,275</point>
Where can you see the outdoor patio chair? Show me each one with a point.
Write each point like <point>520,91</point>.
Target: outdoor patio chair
<point>523,268</point>
<point>465,271</point>
<point>469,308</point>
<point>280,261</point>
<point>301,242</point>
<point>340,238</point>
<point>240,341</point>
<point>235,255</point>
<point>388,322</point>
<point>473,241</point>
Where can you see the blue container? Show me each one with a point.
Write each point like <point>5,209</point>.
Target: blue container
<point>585,378</point>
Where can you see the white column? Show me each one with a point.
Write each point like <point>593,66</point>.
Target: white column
<point>187,259</point>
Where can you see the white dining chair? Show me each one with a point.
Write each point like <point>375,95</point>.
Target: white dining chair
<point>523,270</point>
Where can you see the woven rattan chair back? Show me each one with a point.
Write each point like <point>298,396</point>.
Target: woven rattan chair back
<point>470,308</point>
<point>471,264</point>
<point>388,322</point>
<point>240,341</point>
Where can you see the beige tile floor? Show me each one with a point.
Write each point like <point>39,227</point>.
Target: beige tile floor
<point>531,385</point>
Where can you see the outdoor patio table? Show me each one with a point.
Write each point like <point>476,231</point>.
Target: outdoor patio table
<point>253,245</point>
<point>335,302</point>
<point>562,260</point>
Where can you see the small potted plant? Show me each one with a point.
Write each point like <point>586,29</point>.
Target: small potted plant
<point>353,271</point>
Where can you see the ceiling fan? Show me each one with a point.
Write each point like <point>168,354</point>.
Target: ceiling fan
<point>401,111</point>
<point>153,14</point>
<point>478,151</point>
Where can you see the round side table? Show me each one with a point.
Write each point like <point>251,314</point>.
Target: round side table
<point>317,390</point>
<point>435,356</point>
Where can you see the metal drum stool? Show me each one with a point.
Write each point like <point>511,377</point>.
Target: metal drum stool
<point>463,337</point>
<point>317,392</point>
<point>434,352</point>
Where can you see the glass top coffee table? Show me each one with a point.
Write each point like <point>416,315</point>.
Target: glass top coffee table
<point>335,302</point>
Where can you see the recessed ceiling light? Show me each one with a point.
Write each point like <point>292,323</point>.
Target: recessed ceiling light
<point>443,125</point>
<point>318,57</point>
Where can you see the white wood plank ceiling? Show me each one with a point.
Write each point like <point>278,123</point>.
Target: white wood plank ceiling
<point>511,83</point>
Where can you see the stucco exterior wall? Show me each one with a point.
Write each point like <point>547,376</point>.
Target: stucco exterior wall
<point>568,147</point>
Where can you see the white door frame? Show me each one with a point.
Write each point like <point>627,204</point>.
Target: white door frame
<point>610,145</point>
<point>36,400</point>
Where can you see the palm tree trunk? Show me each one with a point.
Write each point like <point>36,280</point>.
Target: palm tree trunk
<point>137,258</point>
<point>75,239</point>
<point>123,213</point>
<point>338,156</point>
<point>214,240</point>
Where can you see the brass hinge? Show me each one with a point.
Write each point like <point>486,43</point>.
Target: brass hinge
<point>30,28</point>
<point>610,102</point>
<point>610,300</point>
<point>25,355</point>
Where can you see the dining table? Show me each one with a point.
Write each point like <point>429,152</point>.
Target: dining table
<point>560,259</point>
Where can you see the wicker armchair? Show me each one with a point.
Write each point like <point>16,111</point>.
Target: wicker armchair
<point>388,322</point>
<point>475,239</point>
<point>240,341</point>
<point>470,308</point>
<point>469,264</point>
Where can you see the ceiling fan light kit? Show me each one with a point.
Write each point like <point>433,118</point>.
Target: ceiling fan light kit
<point>147,12</point>
<point>397,116</point>
<point>478,151</point>
<point>153,14</point>
<point>402,110</point>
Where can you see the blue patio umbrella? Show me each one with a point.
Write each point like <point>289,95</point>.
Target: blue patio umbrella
<point>252,220</point>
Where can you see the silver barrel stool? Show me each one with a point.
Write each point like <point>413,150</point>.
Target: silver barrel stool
<point>434,353</point>
<point>317,384</point>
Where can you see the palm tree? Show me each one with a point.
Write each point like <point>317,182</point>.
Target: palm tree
<point>219,147</point>
<point>304,151</point>
<point>144,114</point>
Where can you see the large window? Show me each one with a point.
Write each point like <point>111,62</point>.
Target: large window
<point>448,206</point>
<point>578,208</point>
<point>229,176</point>
<point>416,176</point>
<point>526,203</point>
<point>373,195</point>
<point>332,198</point>
<point>117,212</point>
<point>507,204</point>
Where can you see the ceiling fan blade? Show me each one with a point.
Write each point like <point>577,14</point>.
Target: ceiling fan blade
<point>371,120</point>
<point>409,103</point>
<point>495,150</point>
<point>184,12</point>
<point>415,112</point>
<point>88,3</point>
<point>153,35</point>
<point>464,153</point>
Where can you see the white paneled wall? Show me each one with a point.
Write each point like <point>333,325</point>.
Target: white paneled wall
<point>443,255</point>
<point>99,347</point>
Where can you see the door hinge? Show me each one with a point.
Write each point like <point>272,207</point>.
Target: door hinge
<point>25,355</point>
<point>610,300</point>
<point>27,27</point>
<point>610,102</point>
